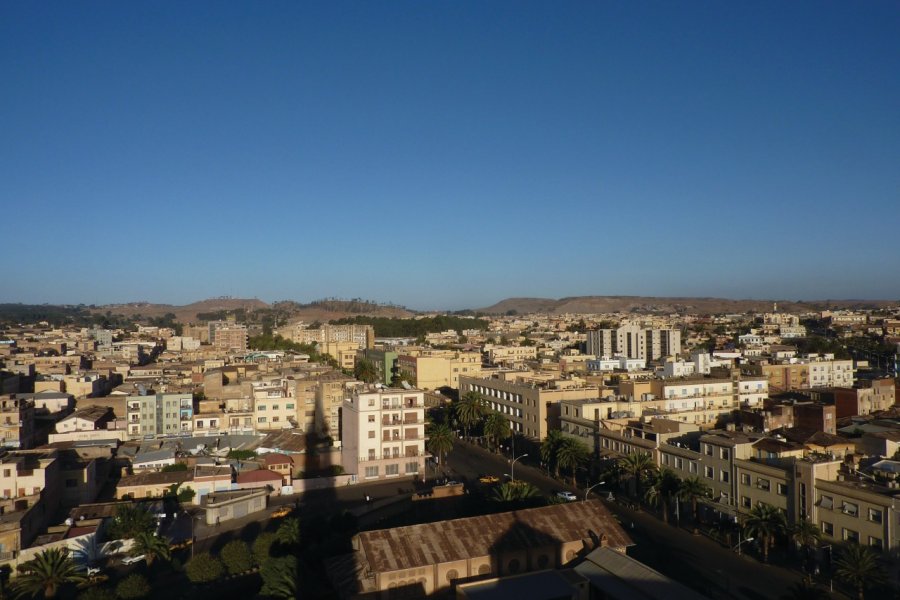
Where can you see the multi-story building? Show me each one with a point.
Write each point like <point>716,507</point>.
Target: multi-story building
<point>384,361</point>
<point>634,342</point>
<point>531,406</point>
<point>29,472</point>
<point>275,407</point>
<point>159,414</point>
<point>877,395</point>
<point>361,335</point>
<point>16,422</point>
<point>433,369</point>
<point>331,389</point>
<point>509,355</point>
<point>799,374</point>
<point>383,433</point>
<point>231,338</point>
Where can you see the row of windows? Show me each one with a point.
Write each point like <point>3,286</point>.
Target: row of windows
<point>851,509</point>
<point>275,407</point>
<point>410,467</point>
<point>849,535</point>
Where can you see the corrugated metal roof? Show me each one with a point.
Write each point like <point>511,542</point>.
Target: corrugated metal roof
<point>460,539</point>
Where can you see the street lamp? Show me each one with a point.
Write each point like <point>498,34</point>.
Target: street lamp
<point>512,467</point>
<point>193,541</point>
<point>588,491</point>
<point>738,547</point>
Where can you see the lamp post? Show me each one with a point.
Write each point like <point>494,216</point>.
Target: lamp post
<point>193,541</point>
<point>738,547</point>
<point>512,467</point>
<point>588,491</point>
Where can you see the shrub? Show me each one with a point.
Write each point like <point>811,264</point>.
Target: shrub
<point>236,556</point>
<point>204,568</point>
<point>262,547</point>
<point>133,587</point>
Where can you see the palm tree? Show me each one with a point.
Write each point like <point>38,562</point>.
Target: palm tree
<point>440,441</point>
<point>469,410</point>
<point>280,577</point>
<point>46,573</point>
<point>89,551</point>
<point>664,486</point>
<point>288,533</point>
<point>365,370</point>
<point>549,447</point>
<point>765,522</point>
<point>805,533</point>
<point>859,566</point>
<point>692,489</point>
<point>613,474</point>
<point>638,464</point>
<point>496,428</point>
<point>518,491</point>
<point>151,546</point>
<point>570,454</point>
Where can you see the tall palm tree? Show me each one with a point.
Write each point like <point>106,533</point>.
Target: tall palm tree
<point>288,533</point>
<point>637,465</point>
<point>365,370</point>
<point>692,490</point>
<point>765,522</point>
<point>571,454</point>
<point>89,551</point>
<point>440,441</point>
<point>805,533</point>
<point>496,428</point>
<point>151,546</point>
<point>663,487</point>
<point>469,410</point>
<point>859,566</point>
<point>46,573</point>
<point>549,447</point>
<point>613,474</point>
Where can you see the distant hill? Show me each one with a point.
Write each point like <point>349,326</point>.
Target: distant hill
<point>649,304</point>
<point>183,314</point>
<point>332,309</point>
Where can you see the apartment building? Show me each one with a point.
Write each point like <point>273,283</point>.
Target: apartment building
<point>633,341</point>
<point>159,414</point>
<point>331,390</point>
<point>274,406</point>
<point>617,363</point>
<point>16,422</point>
<point>27,473</point>
<point>529,404</point>
<point>875,396</point>
<point>799,374</point>
<point>384,361</point>
<point>383,433</point>
<point>231,338</point>
<point>433,369</point>
<point>509,355</point>
<point>363,336</point>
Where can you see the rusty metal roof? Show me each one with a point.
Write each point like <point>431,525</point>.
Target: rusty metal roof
<point>460,539</point>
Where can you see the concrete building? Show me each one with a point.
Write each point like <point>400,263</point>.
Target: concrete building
<point>384,361</point>
<point>159,414</point>
<point>231,338</point>
<point>363,336</point>
<point>227,505</point>
<point>530,405</point>
<point>433,369</point>
<point>616,363</point>
<point>634,342</point>
<point>383,433</point>
<point>16,422</point>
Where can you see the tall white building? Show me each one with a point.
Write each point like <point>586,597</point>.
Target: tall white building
<point>634,342</point>
<point>159,414</point>
<point>383,433</point>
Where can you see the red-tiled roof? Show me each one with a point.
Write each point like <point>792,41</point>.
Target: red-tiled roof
<point>275,458</point>
<point>257,476</point>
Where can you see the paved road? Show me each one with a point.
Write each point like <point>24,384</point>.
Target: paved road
<point>691,559</point>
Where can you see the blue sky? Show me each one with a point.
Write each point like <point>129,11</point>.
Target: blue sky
<point>449,154</point>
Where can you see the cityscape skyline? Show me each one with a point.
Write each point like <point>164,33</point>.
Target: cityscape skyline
<point>449,156</point>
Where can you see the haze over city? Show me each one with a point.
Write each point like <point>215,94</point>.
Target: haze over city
<point>449,155</point>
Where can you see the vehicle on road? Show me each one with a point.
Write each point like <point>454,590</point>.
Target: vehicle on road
<point>284,511</point>
<point>489,479</point>
<point>567,496</point>
<point>181,545</point>
<point>133,560</point>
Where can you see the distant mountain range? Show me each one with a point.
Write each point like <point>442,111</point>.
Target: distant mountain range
<point>661,305</point>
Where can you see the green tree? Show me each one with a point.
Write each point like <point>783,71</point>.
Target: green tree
<point>45,574</point>
<point>663,487</point>
<point>174,468</point>
<point>151,546</point>
<point>204,568</point>
<point>365,370</point>
<point>97,593</point>
<point>280,577</point>
<point>236,556</point>
<point>133,587</point>
<point>805,533</point>
<point>469,410</point>
<point>765,522</point>
<point>637,465</point>
<point>571,454</point>
<point>549,447</point>
<point>262,547</point>
<point>496,428</point>
<point>859,566</point>
<point>692,490</point>
<point>440,441</point>
<point>130,520</point>
<point>514,492</point>
<point>288,533</point>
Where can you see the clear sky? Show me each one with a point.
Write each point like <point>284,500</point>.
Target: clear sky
<point>449,154</point>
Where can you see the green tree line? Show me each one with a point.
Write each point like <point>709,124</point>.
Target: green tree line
<point>392,327</point>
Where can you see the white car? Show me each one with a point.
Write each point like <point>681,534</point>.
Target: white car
<point>567,496</point>
<point>132,560</point>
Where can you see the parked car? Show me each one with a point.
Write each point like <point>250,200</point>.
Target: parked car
<point>567,496</point>
<point>133,560</point>
<point>284,511</point>
<point>489,479</point>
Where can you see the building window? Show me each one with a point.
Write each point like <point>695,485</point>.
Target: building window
<point>693,468</point>
<point>851,536</point>
<point>412,467</point>
<point>371,418</point>
<point>781,489</point>
<point>708,471</point>
<point>763,484</point>
<point>260,407</point>
<point>875,542</point>
<point>827,528</point>
<point>745,501</point>
<point>875,515</point>
<point>851,509</point>
<point>724,476</point>
<point>745,479</point>
<point>723,453</point>
<point>371,471</point>
<point>708,449</point>
<point>392,470</point>
<point>289,406</point>
<point>826,502</point>
<point>261,420</point>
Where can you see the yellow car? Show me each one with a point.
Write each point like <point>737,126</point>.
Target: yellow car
<point>181,545</point>
<point>489,479</point>
<point>279,513</point>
